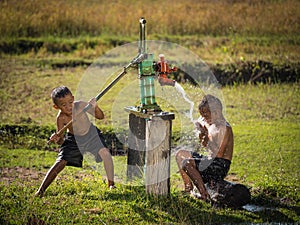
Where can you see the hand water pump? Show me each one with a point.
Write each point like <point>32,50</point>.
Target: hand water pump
<point>146,74</point>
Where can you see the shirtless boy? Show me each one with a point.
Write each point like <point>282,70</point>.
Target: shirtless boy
<point>216,135</point>
<point>81,136</point>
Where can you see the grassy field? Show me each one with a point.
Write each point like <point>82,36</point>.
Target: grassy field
<point>44,44</point>
<point>265,159</point>
<point>218,31</point>
<point>265,120</point>
<point>74,18</point>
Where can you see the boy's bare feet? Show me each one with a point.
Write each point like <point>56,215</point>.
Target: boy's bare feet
<point>196,194</point>
<point>112,187</point>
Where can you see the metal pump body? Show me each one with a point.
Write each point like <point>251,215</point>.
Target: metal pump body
<point>146,74</point>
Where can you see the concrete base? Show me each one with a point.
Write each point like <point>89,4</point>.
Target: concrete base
<point>149,149</point>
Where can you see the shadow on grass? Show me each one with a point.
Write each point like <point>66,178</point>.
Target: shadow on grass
<point>271,208</point>
<point>180,208</point>
<point>175,207</point>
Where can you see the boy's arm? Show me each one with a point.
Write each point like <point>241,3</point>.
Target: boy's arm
<point>58,139</point>
<point>95,110</point>
<point>203,135</point>
<point>202,131</point>
<point>60,124</point>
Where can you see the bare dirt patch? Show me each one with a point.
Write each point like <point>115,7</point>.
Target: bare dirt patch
<point>22,175</point>
<point>232,178</point>
<point>19,174</point>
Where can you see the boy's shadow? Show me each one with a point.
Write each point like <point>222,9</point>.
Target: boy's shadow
<point>175,207</point>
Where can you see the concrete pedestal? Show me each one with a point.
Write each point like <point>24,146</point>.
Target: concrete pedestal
<point>149,149</point>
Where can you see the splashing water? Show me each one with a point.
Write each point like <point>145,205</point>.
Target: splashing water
<point>180,89</point>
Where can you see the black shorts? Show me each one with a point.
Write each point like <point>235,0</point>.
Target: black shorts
<point>69,152</point>
<point>91,142</point>
<point>211,169</point>
<point>74,147</point>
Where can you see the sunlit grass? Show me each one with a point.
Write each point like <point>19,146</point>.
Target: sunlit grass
<point>264,120</point>
<point>262,102</point>
<point>73,18</point>
<point>263,161</point>
<point>44,38</point>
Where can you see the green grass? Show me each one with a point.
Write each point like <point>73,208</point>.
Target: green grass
<point>237,48</point>
<point>78,196</point>
<point>267,157</point>
<point>264,118</point>
<point>264,159</point>
<point>263,102</point>
<point>41,49</point>
<point>26,86</point>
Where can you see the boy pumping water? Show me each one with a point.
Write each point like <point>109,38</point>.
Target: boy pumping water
<point>215,134</point>
<point>82,136</point>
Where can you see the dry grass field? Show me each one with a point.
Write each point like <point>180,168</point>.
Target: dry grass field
<point>191,17</point>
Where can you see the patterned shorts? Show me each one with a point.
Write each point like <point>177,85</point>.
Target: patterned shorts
<point>211,169</point>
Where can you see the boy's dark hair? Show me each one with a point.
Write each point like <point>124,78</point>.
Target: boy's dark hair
<point>59,92</point>
<point>211,102</point>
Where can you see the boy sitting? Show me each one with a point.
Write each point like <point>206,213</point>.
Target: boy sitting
<point>215,133</point>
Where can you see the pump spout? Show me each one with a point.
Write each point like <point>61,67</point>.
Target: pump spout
<point>163,69</point>
<point>164,81</point>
